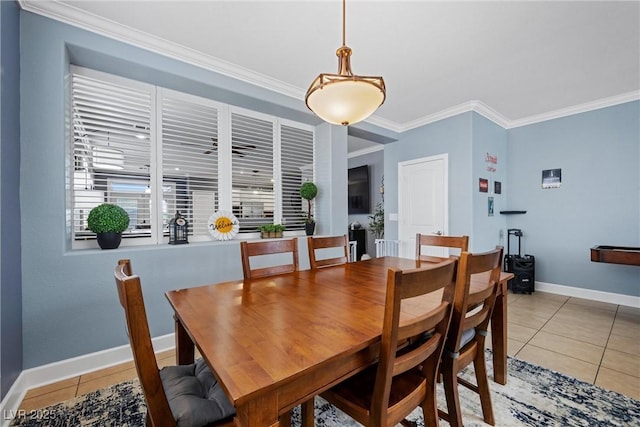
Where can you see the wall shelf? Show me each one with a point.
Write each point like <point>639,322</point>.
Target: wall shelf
<point>512,212</point>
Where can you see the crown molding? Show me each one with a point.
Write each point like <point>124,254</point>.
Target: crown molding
<point>90,22</point>
<point>76,17</point>
<point>365,151</point>
<point>576,109</point>
<point>476,106</point>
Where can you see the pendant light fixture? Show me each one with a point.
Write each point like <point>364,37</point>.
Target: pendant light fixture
<point>344,98</point>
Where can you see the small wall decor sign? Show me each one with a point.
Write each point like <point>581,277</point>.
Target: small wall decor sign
<point>492,162</point>
<point>490,206</point>
<point>497,187</point>
<point>551,178</point>
<point>484,185</point>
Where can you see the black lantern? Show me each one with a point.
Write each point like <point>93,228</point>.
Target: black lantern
<point>178,230</point>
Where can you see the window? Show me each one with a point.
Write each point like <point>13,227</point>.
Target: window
<point>155,152</point>
<point>296,166</point>
<point>252,164</point>
<point>189,160</point>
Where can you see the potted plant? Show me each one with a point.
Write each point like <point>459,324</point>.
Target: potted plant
<point>266,231</point>
<point>278,229</point>
<point>271,230</point>
<point>108,221</point>
<point>376,225</point>
<point>308,191</point>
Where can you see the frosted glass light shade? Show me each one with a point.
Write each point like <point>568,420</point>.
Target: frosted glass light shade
<point>345,99</point>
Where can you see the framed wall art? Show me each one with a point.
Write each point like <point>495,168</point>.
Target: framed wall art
<point>551,178</point>
<point>483,185</point>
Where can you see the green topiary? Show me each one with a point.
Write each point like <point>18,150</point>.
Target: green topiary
<point>308,191</point>
<point>108,218</point>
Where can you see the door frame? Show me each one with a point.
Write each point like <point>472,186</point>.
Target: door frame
<point>444,157</point>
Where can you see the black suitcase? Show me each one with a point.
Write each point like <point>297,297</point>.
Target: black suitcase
<point>523,267</point>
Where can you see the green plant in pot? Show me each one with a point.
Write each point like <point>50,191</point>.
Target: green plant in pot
<point>108,221</point>
<point>309,191</point>
<point>376,225</point>
<point>271,230</point>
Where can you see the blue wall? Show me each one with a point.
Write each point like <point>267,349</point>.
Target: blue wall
<point>10,277</point>
<point>488,138</point>
<point>597,204</point>
<point>452,136</point>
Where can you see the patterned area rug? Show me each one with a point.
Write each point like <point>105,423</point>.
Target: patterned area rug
<point>533,396</point>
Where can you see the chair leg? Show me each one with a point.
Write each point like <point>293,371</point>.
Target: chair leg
<point>430,406</point>
<point>479,366</point>
<point>450,383</point>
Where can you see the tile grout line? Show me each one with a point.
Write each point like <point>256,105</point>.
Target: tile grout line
<point>540,329</point>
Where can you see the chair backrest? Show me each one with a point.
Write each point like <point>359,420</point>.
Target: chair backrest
<point>249,250</point>
<point>319,243</point>
<point>130,294</point>
<point>426,331</point>
<point>473,306</point>
<point>458,242</point>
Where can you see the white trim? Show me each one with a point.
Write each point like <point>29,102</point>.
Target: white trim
<point>11,402</point>
<point>69,368</point>
<point>576,109</point>
<point>76,17</point>
<point>477,106</point>
<point>364,151</point>
<point>590,294</point>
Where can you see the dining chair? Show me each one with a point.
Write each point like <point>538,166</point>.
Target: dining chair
<point>472,309</point>
<point>184,395</point>
<point>406,373</point>
<point>251,250</point>
<point>325,245</point>
<point>456,242</point>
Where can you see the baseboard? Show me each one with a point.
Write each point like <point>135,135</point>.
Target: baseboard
<point>570,291</point>
<point>69,368</point>
<point>11,402</point>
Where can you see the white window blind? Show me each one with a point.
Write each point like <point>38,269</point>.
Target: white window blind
<point>111,151</point>
<point>252,171</point>
<point>155,152</point>
<point>296,148</point>
<point>190,144</point>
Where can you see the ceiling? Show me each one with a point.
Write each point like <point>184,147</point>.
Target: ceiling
<point>514,62</point>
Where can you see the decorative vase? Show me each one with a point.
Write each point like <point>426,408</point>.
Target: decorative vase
<point>109,240</point>
<point>309,228</point>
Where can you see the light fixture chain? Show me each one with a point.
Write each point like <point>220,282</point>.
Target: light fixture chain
<point>344,24</point>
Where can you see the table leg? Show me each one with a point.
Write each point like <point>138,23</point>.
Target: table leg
<point>499,335</point>
<point>185,350</point>
<point>308,415</point>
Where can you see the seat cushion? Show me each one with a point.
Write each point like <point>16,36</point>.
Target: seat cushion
<point>467,336</point>
<point>194,394</point>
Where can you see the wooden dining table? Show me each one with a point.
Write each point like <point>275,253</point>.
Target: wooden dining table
<point>276,342</point>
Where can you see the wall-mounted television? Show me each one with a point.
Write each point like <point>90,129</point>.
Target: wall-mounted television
<point>358,190</point>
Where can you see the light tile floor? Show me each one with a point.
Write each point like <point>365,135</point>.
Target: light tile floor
<point>596,342</point>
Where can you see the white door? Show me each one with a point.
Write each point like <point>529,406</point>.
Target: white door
<point>422,200</point>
